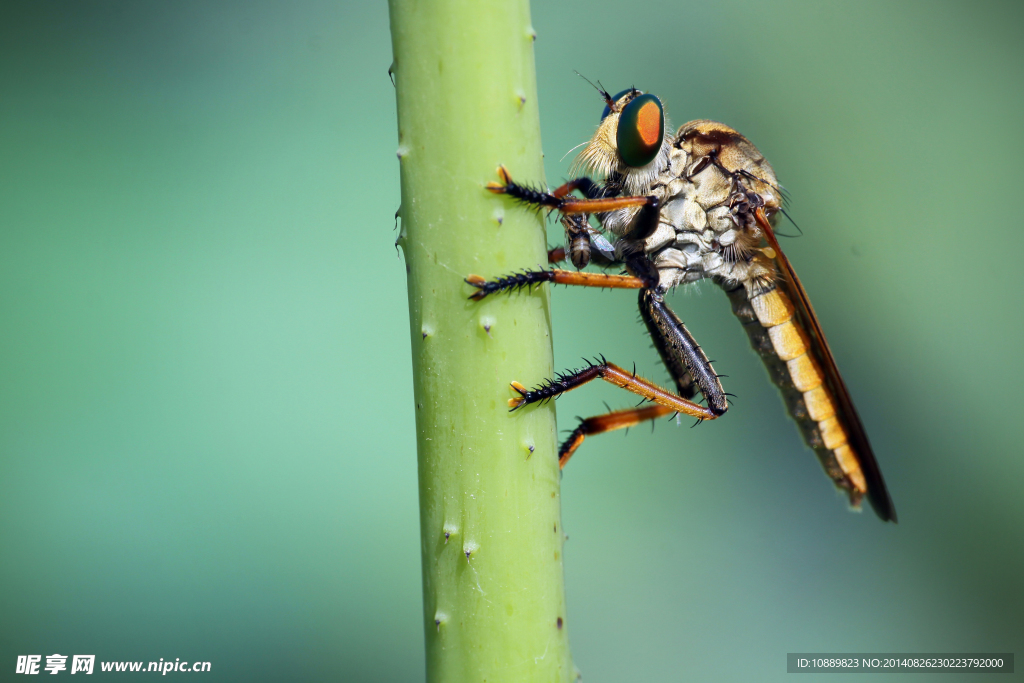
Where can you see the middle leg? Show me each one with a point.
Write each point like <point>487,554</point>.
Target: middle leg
<point>528,278</point>
<point>642,274</point>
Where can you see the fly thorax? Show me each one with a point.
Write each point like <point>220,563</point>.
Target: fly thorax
<point>708,226</point>
<point>686,246</point>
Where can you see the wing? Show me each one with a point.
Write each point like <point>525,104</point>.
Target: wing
<point>877,492</point>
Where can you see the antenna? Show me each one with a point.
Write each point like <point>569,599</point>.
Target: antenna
<point>599,88</point>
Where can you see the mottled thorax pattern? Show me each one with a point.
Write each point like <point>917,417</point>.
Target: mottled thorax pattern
<point>713,182</point>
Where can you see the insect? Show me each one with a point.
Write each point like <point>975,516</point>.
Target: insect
<point>694,205</point>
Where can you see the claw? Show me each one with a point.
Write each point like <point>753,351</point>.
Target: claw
<point>506,180</point>
<point>514,403</point>
<point>479,283</point>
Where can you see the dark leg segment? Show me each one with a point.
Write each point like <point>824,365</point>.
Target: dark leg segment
<point>646,221</point>
<point>683,358</point>
<point>588,187</point>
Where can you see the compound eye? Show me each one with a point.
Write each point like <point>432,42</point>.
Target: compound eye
<point>618,97</point>
<point>641,131</point>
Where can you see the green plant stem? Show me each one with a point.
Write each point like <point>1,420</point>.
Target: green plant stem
<point>493,588</point>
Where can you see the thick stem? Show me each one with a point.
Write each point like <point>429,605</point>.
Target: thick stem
<point>493,590</point>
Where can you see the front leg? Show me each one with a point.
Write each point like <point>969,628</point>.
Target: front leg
<point>529,195</point>
<point>560,201</point>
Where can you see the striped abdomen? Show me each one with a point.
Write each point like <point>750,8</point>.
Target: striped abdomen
<point>779,337</point>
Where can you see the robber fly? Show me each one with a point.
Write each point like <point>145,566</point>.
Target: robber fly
<point>699,204</point>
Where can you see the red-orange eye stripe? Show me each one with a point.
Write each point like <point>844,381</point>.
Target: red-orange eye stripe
<point>648,124</point>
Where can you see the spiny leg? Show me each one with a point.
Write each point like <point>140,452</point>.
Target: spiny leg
<point>560,201</point>
<point>686,362</point>
<point>619,419</point>
<point>528,278</point>
<point>644,225</point>
<point>642,274</point>
<point>612,374</point>
<point>679,351</point>
<point>530,195</point>
<point>577,231</point>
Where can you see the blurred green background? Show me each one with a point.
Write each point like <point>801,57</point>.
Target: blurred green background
<point>206,416</point>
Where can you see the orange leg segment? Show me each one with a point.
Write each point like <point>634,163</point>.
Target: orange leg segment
<point>620,419</point>
<point>613,374</point>
<point>557,199</point>
<point>603,280</point>
<point>559,277</point>
<point>574,206</point>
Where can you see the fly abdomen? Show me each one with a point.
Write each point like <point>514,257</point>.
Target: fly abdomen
<point>788,353</point>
